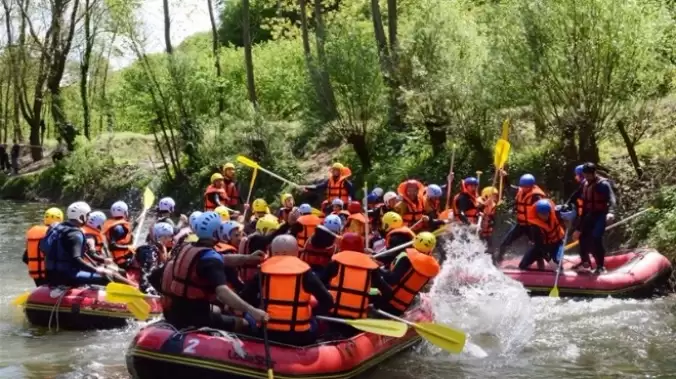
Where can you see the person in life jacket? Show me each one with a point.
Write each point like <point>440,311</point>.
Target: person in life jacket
<point>527,195</point>
<point>195,279</point>
<point>576,196</point>
<point>390,200</point>
<point>338,209</point>
<point>96,251</point>
<point>64,247</point>
<point>548,224</point>
<point>232,192</point>
<point>489,199</point>
<point>260,208</point>
<point>319,248</point>
<point>231,234</point>
<point>355,207</point>
<point>375,198</point>
<point>33,257</point>
<point>285,286</point>
<point>118,233</point>
<point>356,223</point>
<point>412,204</point>
<point>433,207</point>
<point>336,186</point>
<point>409,274</point>
<point>187,233</point>
<point>286,208</point>
<point>466,207</point>
<point>215,194</point>
<point>302,224</point>
<point>152,255</point>
<point>395,233</point>
<point>223,212</point>
<point>165,209</point>
<point>598,208</point>
<point>267,228</point>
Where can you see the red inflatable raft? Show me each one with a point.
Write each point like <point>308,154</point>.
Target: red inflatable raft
<point>81,308</point>
<point>159,351</point>
<point>636,273</point>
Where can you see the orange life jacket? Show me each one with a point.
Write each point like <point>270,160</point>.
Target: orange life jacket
<point>180,277</point>
<point>524,200</point>
<point>335,188</point>
<point>472,213</point>
<point>552,230</point>
<point>36,258</point>
<point>309,223</point>
<point>432,206</point>
<point>231,193</point>
<point>283,296</point>
<point>96,235</point>
<point>415,208</point>
<point>224,248</point>
<point>403,230</point>
<point>222,197</point>
<point>120,255</point>
<point>423,269</point>
<point>487,221</point>
<point>357,218</point>
<point>350,287</point>
<point>315,256</point>
<point>592,199</point>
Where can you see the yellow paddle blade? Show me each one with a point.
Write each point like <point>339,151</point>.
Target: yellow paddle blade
<point>554,292</point>
<point>148,198</point>
<point>447,338</point>
<point>112,297</point>
<point>387,328</point>
<point>271,374</point>
<point>124,291</point>
<point>139,308</point>
<point>21,299</point>
<point>247,162</point>
<point>502,148</point>
<point>505,130</point>
<point>317,212</point>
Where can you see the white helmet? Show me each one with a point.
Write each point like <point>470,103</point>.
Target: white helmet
<point>163,229</point>
<point>193,219</point>
<point>166,204</point>
<point>96,219</point>
<point>119,209</point>
<point>389,196</point>
<point>78,211</point>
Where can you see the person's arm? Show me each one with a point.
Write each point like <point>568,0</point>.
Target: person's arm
<point>607,190</point>
<point>117,233</point>
<point>329,272</point>
<point>74,243</point>
<point>378,282</point>
<point>350,189</point>
<point>211,268</point>
<point>314,286</point>
<point>320,187</point>
<point>233,278</point>
<point>463,204</point>
<point>238,260</point>
<point>24,258</point>
<point>574,196</point>
<point>400,269</point>
<point>214,198</point>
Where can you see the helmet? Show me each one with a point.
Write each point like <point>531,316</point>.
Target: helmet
<point>215,177</point>
<point>578,170</point>
<point>372,198</point>
<point>78,211</point>
<point>96,219</point>
<point>285,197</point>
<point>119,209</point>
<point>354,207</point>
<point>166,204</point>
<point>227,228</point>
<point>337,203</point>
<point>589,168</point>
<point>267,223</point>
<point>389,196</point>
<point>260,205</point>
<point>489,191</point>
<point>378,191</point>
<point>305,209</point>
<point>228,166</point>
<point>352,241</point>
<point>526,180</point>
<point>207,225</point>
<point>52,215</point>
<point>192,220</point>
<point>162,229</point>
<point>425,242</point>
<point>333,223</point>
<point>392,220</point>
<point>284,244</point>
<point>223,212</point>
<point>337,166</point>
<point>471,181</point>
<point>543,206</point>
<point>434,191</point>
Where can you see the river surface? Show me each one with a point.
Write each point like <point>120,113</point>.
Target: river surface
<point>522,337</point>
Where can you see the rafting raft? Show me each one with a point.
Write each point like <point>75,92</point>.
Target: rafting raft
<point>82,308</point>
<point>637,273</point>
<point>159,351</point>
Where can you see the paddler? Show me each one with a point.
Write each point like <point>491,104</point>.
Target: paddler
<point>336,186</point>
<point>433,208</point>
<point>165,209</point>
<point>395,232</point>
<point>304,226</point>
<point>232,234</point>
<point>489,199</point>
<point>288,284</point>
<point>33,257</point>
<point>390,200</point>
<point>153,254</point>
<point>96,250</point>
<point>118,232</point>
<point>548,236</point>
<point>598,204</point>
<point>579,178</point>
<point>267,228</point>
<point>412,204</point>
<point>232,192</point>
<point>356,223</point>
<point>223,212</point>
<point>527,195</point>
<point>260,208</point>
<point>196,278</point>
<point>286,208</point>
<point>466,207</point>
<point>215,194</point>
<point>322,245</point>
<point>409,274</point>
<point>355,207</point>
<point>187,233</point>
<point>338,209</point>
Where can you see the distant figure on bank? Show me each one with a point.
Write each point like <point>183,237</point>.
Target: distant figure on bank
<point>4,158</point>
<point>16,149</point>
<point>59,151</point>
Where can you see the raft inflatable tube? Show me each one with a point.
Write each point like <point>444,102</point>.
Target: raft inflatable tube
<point>159,351</point>
<point>637,273</point>
<point>82,308</point>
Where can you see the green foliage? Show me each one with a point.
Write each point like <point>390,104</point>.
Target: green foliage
<point>230,31</point>
<point>658,227</point>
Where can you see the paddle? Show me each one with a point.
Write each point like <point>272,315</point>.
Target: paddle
<point>366,214</point>
<point>21,300</point>
<point>131,297</point>
<point>148,200</point>
<point>266,341</point>
<point>450,339</point>
<point>555,290</point>
<point>251,186</point>
<point>621,222</point>
<point>481,216</point>
<point>501,154</point>
<point>248,162</point>
<point>449,185</point>
<point>381,327</point>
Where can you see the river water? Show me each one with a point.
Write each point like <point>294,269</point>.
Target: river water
<point>522,337</point>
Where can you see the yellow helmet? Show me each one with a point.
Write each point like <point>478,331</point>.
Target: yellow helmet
<point>392,220</point>
<point>228,166</point>
<point>267,223</point>
<point>488,192</point>
<point>223,212</point>
<point>52,215</point>
<point>338,166</point>
<point>215,177</point>
<point>285,197</point>
<point>425,242</point>
<point>260,205</point>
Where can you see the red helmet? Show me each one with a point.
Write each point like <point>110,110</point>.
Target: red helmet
<point>353,242</point>
<point>354,207</point>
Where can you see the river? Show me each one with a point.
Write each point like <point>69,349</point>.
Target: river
<point>523,337</point>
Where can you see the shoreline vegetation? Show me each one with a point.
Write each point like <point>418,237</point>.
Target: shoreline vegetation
<point>387,88</point>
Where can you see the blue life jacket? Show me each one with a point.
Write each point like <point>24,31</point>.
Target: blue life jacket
<point>57,258</point>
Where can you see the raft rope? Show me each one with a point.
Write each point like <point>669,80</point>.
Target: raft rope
<point>55,309</point>
<point>236,343</point>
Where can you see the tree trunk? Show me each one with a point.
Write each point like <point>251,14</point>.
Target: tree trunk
<point>437,134</point>
<point>358,142</point>
<point>327,95</point>
<point>588,148</point>
<point>84,69</point>
<point>248,56</point>
<point>168,47</point>
<point>570,154</point>
<point>5,123</point>
<point>631,148</point>
<point>217,58</point>
<point>18,135</point>
<point>392,30</point>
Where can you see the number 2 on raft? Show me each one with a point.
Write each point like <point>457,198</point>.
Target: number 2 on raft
<point>192,344</point>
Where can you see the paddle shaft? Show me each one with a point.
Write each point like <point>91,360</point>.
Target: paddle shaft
<point>366,214</point>
<point>248,196</point>
<point>558,269</point>
<point>621,222</point>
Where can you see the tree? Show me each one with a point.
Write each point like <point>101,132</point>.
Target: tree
<point>248,56</point>
<point>217,57</point>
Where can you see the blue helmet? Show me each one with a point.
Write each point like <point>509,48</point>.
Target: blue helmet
<point>192,220</point>
<point>372,198</point>
<point>378,191</point>
<point>208,225</point>
<point>226,229</point>
<point>333,223</point>
<point>434,191</point>
<point>162,229</point>
<point>470,181</point>
<point>337,203</point>
<point>526,180</point>
<point>543,206</point>
<point>578,170</point>
<point>305,209</point>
